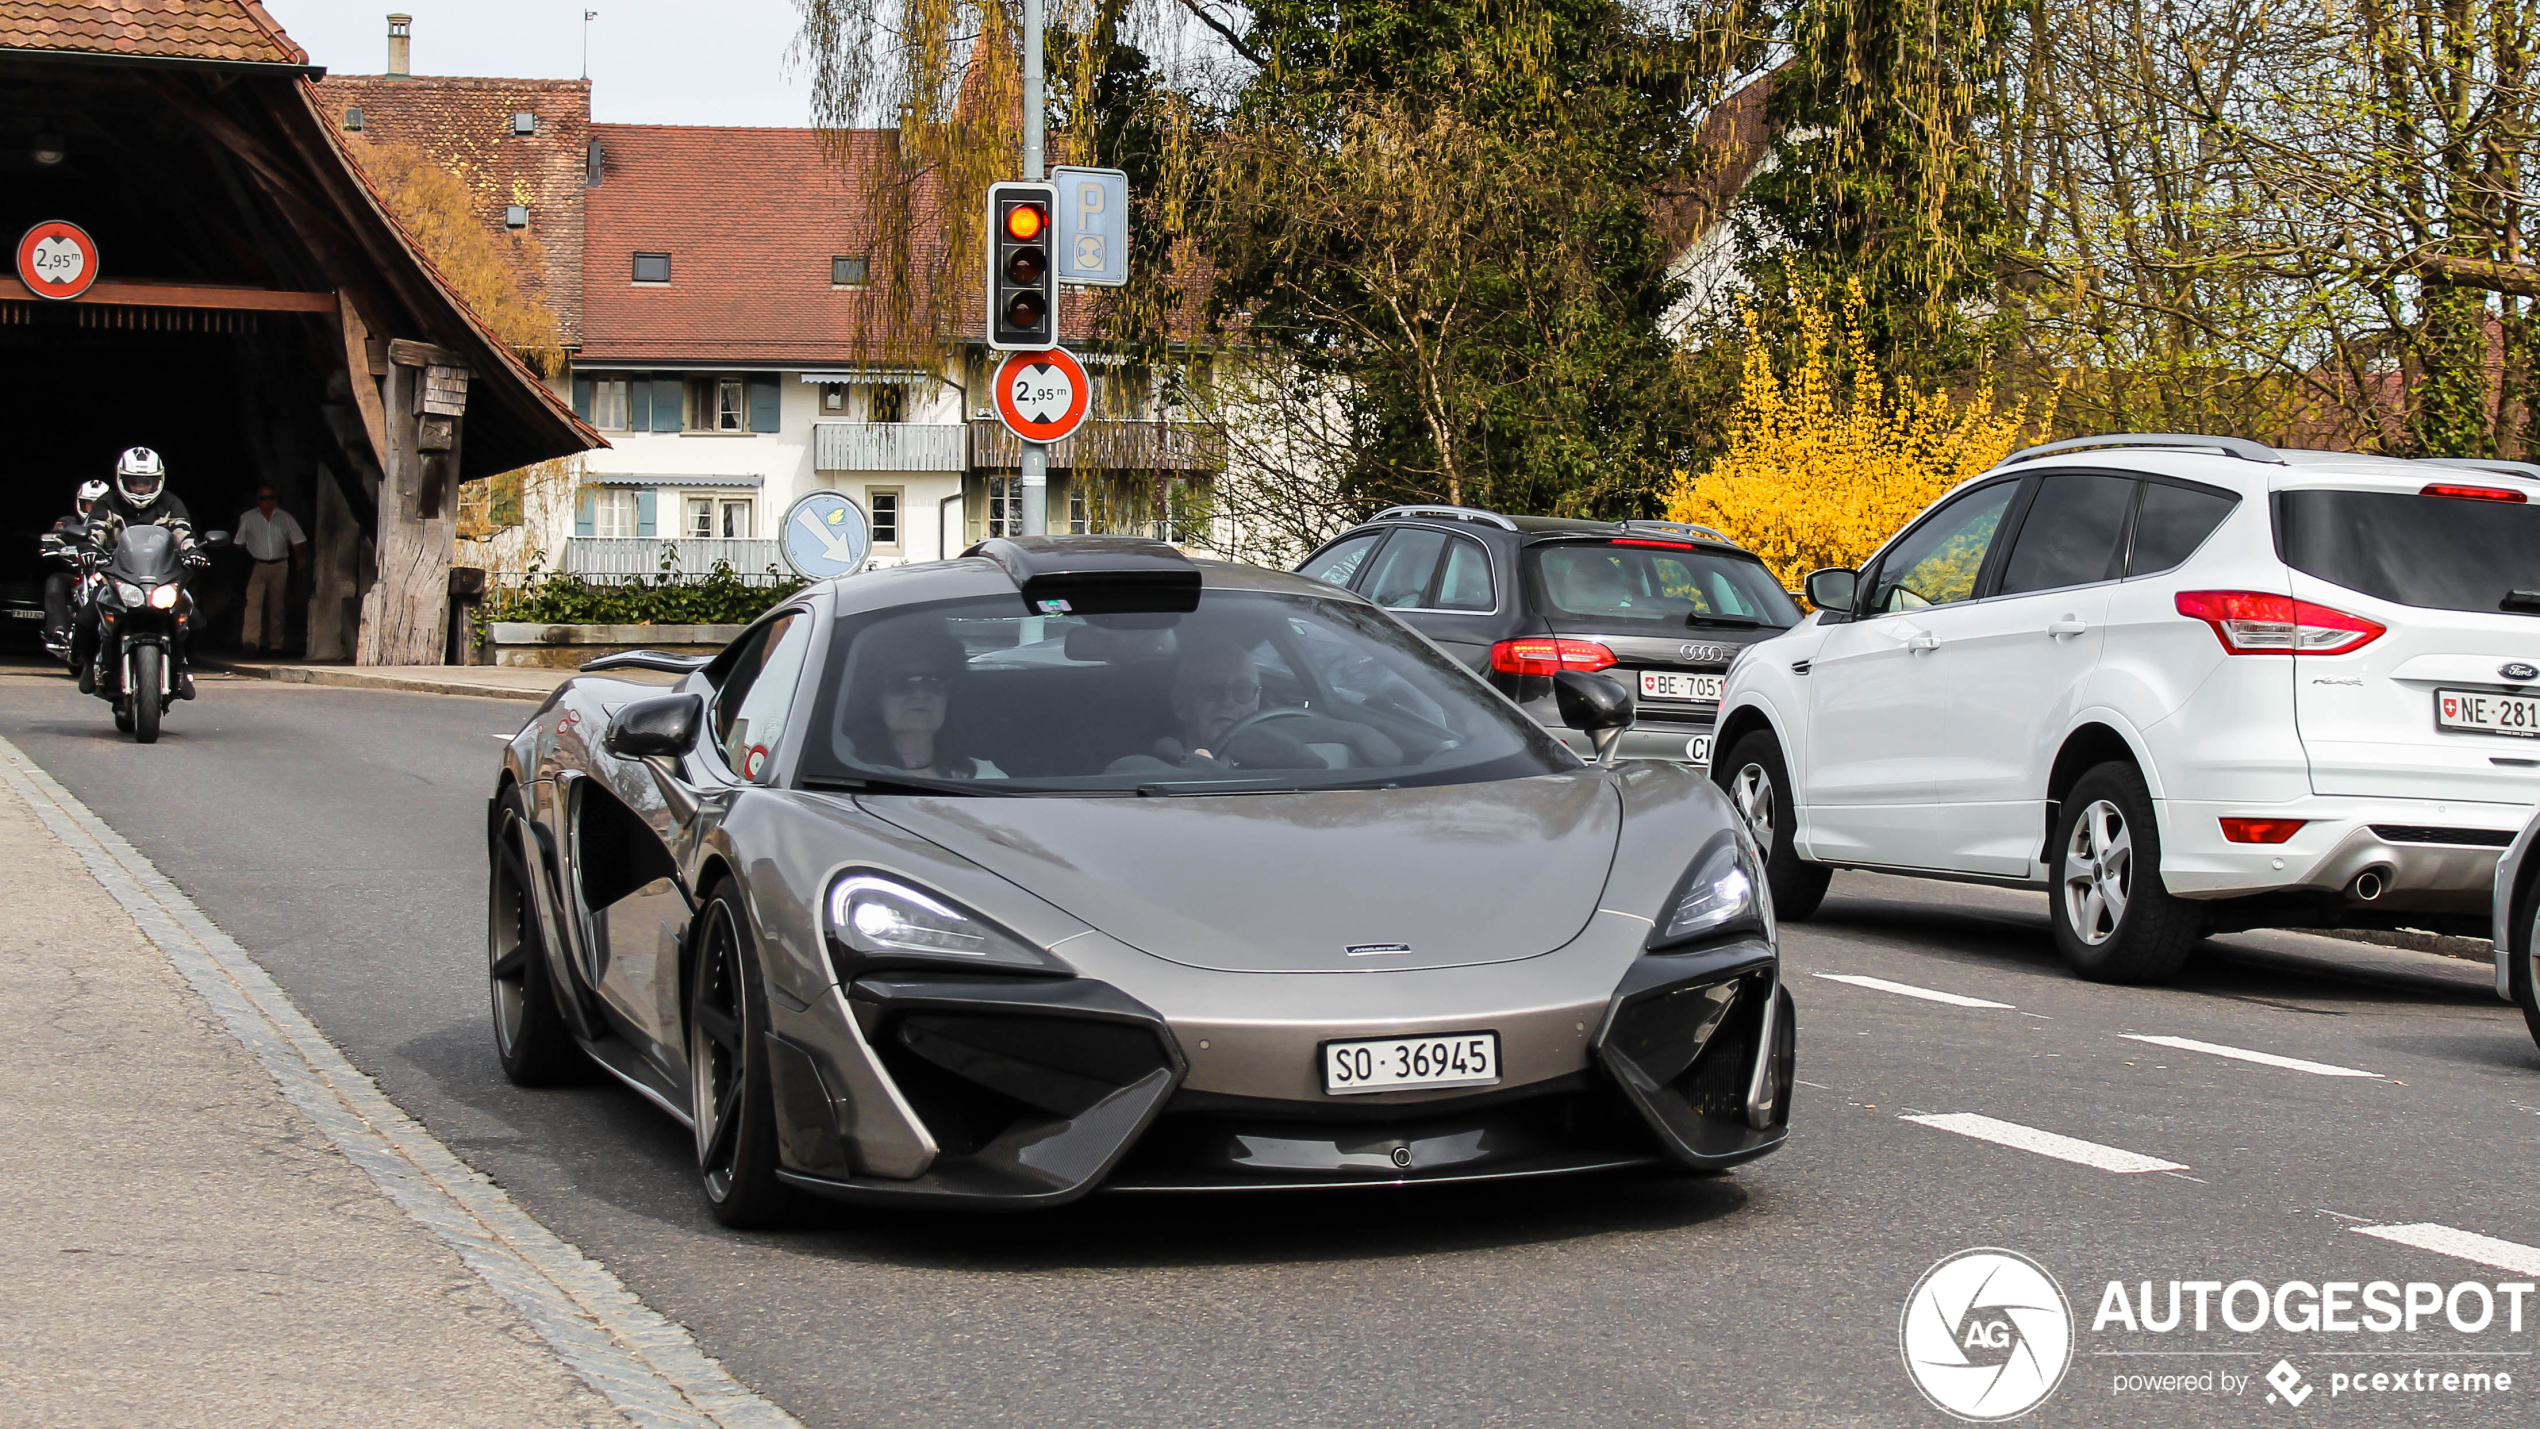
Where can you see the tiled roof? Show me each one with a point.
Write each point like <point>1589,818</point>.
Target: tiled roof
<point>750,219</point>
<point>466,124</point>
<point>168,29</point>
<point>1736,138</point>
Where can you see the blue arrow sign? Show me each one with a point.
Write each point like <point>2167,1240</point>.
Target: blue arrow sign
<point>825,535</point>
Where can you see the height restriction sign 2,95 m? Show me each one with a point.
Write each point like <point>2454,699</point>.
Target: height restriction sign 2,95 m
<point>1041,396</point>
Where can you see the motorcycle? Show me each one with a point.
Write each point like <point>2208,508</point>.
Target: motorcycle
<point>67,545</point>
<point>144,614</point>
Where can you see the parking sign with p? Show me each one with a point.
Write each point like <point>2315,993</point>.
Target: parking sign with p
<point>1092,226</point>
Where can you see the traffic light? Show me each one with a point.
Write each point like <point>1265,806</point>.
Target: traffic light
<point>1022,290</point>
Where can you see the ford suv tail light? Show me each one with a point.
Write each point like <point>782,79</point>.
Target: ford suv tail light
<point>2250,622</point>
<point>1544,655</point>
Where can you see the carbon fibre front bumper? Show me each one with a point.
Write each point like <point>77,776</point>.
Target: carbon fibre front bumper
<point>1037,1091</point>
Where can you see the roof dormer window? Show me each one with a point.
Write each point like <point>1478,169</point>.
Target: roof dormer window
<point>353,118</point>
<point>524,124</point>
<point>652,267</point>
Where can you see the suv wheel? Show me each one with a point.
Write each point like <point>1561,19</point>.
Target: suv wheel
<point>2520,975</point>
<point>2114,921</point>
<point>1758,786</point>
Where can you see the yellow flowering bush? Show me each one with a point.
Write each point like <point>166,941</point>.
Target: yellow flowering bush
<point>1818,472</point>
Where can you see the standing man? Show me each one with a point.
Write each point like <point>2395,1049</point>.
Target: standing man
<point>277,543</point>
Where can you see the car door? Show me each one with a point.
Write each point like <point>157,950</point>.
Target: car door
<point>1879,727</point>
<point>1459,607</point>
<point>2011,665</point>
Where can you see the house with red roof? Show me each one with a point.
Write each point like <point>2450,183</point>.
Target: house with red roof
<point>728,340</point>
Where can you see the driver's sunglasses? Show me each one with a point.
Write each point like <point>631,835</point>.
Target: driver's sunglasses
<point>1227,692</point>
<point>909,682</point>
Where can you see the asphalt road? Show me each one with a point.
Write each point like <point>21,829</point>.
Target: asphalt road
<point>337,835</point>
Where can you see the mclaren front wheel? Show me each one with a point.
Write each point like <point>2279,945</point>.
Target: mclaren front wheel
<point>530,1036</point>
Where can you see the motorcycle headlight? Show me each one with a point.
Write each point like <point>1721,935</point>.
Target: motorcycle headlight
<point>878,921</point>
<point>1722,893</point>
<point>164,597</point>
<point>130,594</point>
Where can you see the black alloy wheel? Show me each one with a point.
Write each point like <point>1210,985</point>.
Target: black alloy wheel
<point>729,1096</point>
<point>531,1039</point>
<point>2114,919</point>
<point>1758,787</point>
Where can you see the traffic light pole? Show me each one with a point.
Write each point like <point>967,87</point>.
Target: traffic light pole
<point>1036,455</point>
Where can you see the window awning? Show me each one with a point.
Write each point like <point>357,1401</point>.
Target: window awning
<point>870,376</point>
<point>692,481</point>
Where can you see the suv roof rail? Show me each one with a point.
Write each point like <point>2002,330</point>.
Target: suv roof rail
<point>2529,471</point>
<point>2240,447</point>
<point>1444,513</point>
<point>1682,528</point>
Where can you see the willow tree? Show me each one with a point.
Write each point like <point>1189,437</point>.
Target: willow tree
<point>1428,228</point>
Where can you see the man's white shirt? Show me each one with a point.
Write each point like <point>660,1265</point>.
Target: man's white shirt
<point>269,540</point>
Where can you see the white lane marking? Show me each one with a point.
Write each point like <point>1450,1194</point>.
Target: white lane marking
<point>2264,1059</point>
<point>2047,1143</point>
<point>646,1365</point>
<point>1906,989</point>
<point>2461,1245</point>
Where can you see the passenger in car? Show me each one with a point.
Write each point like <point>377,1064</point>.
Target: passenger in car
<point>906,676</point>
<point>1216,689</point>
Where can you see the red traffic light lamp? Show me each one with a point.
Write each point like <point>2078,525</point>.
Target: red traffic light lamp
<point>1022,285</point>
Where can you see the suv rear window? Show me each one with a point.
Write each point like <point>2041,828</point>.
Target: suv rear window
<point>2438,552</point>
<point>1619,585</point>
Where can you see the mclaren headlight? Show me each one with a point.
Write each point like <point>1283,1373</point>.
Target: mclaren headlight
<point>876,921</point>
<point>1722,895</point>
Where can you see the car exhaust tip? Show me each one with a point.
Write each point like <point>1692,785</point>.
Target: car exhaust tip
<point>2370,884</point>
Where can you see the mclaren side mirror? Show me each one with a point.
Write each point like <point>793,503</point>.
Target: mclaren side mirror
<point>1833,588</point>
<point>656,728</point>
<point>1595,706</point>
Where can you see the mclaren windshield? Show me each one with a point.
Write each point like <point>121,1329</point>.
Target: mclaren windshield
<point>1250,692</point>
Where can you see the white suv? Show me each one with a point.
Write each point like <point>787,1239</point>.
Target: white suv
<point>2182,684</point>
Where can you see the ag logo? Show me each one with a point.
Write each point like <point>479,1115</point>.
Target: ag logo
<point>1986,1335</point>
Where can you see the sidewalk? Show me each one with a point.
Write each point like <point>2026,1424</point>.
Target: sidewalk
<point>183,1245</point>
<point>500,682</point>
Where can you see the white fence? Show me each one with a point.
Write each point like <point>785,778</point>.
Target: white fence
<point>620,556</point>
<point>890,446</point>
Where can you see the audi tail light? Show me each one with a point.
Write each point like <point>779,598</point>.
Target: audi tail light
<point>2250,622</point>
<point>2261,831</point>
<point>1544,655</point>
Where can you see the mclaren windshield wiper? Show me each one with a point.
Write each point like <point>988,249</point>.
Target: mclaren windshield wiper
<point>828,784</point>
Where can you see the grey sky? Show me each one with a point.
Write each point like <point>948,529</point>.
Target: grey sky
<point>652,61</point>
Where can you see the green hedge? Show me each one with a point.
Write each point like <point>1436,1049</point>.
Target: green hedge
<point>717,598</point>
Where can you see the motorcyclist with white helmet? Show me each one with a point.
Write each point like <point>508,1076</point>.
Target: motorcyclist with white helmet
<point>140,498</point>
<point>61,544</point>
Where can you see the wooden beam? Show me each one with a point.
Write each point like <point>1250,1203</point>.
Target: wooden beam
<point>134,293</point>
<point>357,341</point>
<point>406,352</point>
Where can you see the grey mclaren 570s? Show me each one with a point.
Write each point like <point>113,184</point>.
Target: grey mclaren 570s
<point>1076,865</point>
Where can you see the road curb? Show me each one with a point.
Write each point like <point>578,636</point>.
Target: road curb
<point>646,1366</point>
<point>363,679</point>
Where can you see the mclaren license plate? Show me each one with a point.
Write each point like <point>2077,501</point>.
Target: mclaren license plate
<point>2492,714</point>
<point>1669,685</point>
<point>1454,1059</point>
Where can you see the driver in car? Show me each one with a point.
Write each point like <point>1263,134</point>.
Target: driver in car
<point>1216,690</point>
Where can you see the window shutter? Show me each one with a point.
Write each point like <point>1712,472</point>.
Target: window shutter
<point>639,405</point>
<point>582,510</point>
<point>644,510</point>
<point>582,398</point>
<point>666,404</point>
<point>763,392</point>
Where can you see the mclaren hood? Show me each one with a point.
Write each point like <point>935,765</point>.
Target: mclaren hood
<point>1372,880</point>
